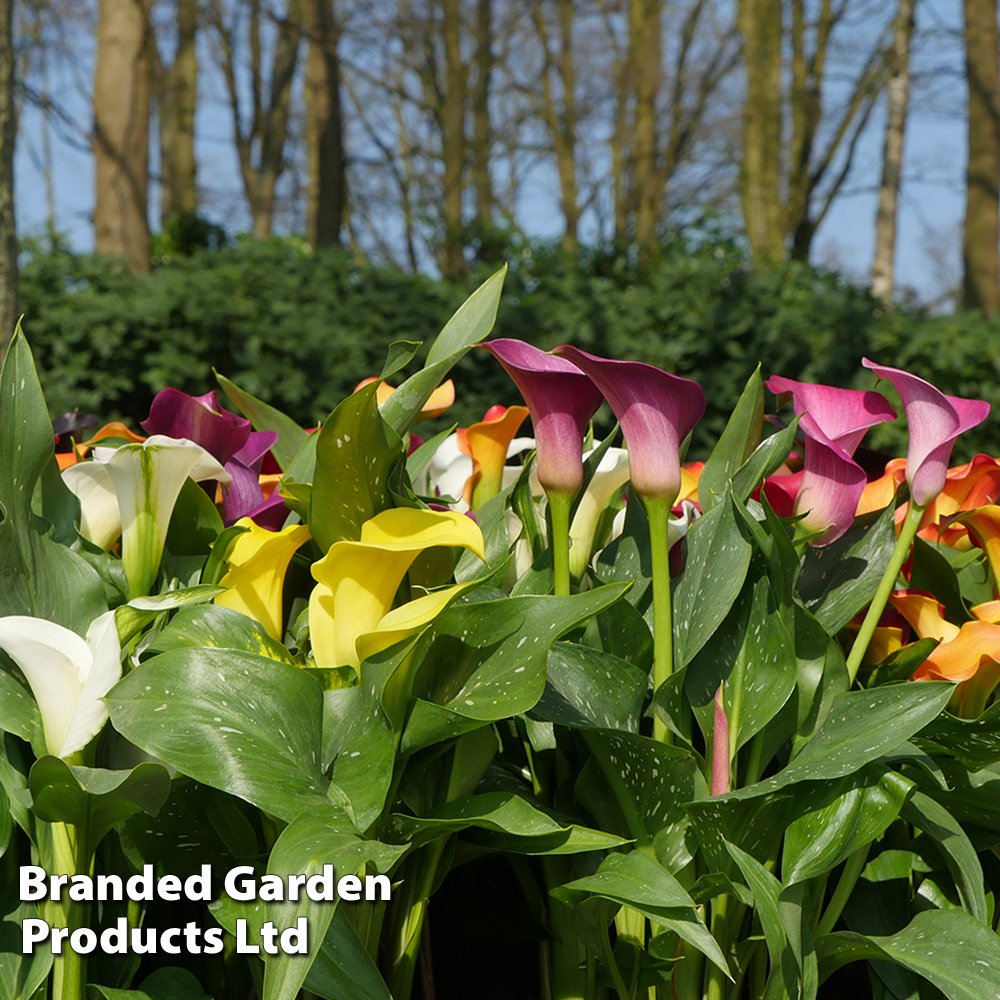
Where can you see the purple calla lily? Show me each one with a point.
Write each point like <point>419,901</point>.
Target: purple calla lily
<point>245,497</point>
<point>656,411</point>
<point>834,421</point>
<point>200,419</point>
<point>561,400</point>
<point>935,422</point>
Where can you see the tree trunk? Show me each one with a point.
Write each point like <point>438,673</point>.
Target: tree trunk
<point>121,130</point>
<point>8,132</point>
<point>892,155</point>
<point>324,128</point>
<point>178,100</point>
<point>482,130</point>
<point>760,174</point>
<point>645,28</point>
<point>453,138</point>
<point>982,199</point>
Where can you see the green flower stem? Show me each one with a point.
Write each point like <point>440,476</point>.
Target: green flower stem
<point>658,514</point>
<point>715,978</point>
<point>560,505</point>
<point>853,868</point>
<point>569,973</point>
<point>69,857</point>
<point>875,609</point>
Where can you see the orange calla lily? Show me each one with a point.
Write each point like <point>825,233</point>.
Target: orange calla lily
<point>486,443</point>
<point>983,524</point>
<point>438,401</point>
<point>968,655</point>
<point>879,493</point>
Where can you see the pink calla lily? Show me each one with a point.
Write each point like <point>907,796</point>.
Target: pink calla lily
<point>656,411</point>
<point>834,421</point>
<point>935,422</point>
<point>561,400</point>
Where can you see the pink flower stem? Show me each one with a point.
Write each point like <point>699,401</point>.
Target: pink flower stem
<point>720,747</point>
<point>902,550</point>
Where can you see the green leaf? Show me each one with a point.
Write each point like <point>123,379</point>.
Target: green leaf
<point>242,723</point>
<point>636,880</point>
<point>302,469</point>
<point>95,799</point>
<point>765,460</point>
<point>648,781</point>
<point>168,983</point>
<point>36,572</point>
<point>482,662</point>
<point>932,572</point>
<point>354,456</point>
<point>343,969</point>
<point>975,743</point>
<point>950,949</point>
<point>588,688</point>
<point>20,975</point>
<point>18,710</point>
<point>399,355</point>
<point>718,557</point>
<point>960,856</point>
<point>856,810</point>
<point>471,324</point>
<point>736,444</point>
<point>861,727</point>
<point>838,580</point>
<point>214,627</point>
<point>528,830</point>
<point>303,848</point>
<point>195,523</point>
<point>264,417</point>
<point>139,612</point>
<point>417,462</point>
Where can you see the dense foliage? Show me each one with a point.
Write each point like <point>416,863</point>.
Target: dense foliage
<point>300,329</point>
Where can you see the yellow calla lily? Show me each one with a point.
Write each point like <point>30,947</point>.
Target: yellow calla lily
<point>350,610</point>
<point>258,561</point>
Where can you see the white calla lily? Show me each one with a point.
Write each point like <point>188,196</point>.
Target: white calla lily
<point>148,478</point>
<point>69,676</point>
<point>100,519</point>
<point>611,474</point>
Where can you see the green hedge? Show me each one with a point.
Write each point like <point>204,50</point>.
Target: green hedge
<point>300,329</point>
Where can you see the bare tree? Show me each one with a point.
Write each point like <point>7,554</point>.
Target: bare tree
<point>8,131</point>
<point>892,153</point>
<point>122,80</point>
<point>980,252</point>
<point>261,132</point>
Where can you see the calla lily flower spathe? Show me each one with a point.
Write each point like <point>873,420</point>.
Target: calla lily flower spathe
<point>935,422</point>
<point>438,401</point>
<point>487,443</point>
<point>834,421</point>
<point>258,561</point>
<point>656,411</point>
<point>561,400</point>
<point>968,655</point>
<point>350,611</point>
<point>69,676</point>
<point>132,490</point>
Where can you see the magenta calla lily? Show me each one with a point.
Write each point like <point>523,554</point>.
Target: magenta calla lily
<point>227,438</point>
<point>834,421</point>
<point>935,422</point>
<point>561,400</point>
<point>200,419</point>
<point>656,411</point>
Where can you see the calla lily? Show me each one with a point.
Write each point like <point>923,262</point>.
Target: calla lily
<point>561,400</point>
<point>968,655</point>
<point>611,474</point>
<point>350,610</point>
<point>984,527</point>
<point>935,422</point>
<point>245,495</point>
<point>69,676</point>
<point>147,480</point>
<point>200,419</point>
<point>656,411</point>
<point>258,561</point>
<point>486,443</point>
<point>438,401</point>
<point>834,421</point>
